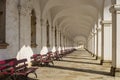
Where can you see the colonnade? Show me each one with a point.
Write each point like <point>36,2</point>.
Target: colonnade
<point>57,39</point>
<point>104,40</point>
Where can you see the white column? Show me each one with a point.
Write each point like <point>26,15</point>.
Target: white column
<point>95,33</point>
<point>53,39</point>
<point>107,51</point>
<point>93,43</point>
<point>99,42</point>
<point>58,40</point>
<point>44,49</point>
<point>118,40</point>
<point>44,35</point>
<point>115,9</point>
<point>63,41</point>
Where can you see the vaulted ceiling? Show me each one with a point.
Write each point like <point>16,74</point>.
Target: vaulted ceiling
<point>75,18</point>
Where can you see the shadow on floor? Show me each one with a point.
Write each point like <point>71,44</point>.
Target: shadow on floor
<point>18,78</point>
<point>86,56</point>
<point>80,58</point>
<point>32,79</point>
<point>80,62</point>
<point>82,70</point>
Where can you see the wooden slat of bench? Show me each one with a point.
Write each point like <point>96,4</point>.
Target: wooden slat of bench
<point>39,59</point>
<point>21,68</point>
<point>5,64</point>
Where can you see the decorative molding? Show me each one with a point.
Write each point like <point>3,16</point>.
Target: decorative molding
<point>114,70</point>
<point>98,29</point>
<point>3,45</point>
<point>106,22</point>
<point>34,45</point>
<point>107,61</point>
<point>92,34</point>
<point>117,70</point>
<point>114,8</point>
<point>117,7</point>
<point>95,33</point>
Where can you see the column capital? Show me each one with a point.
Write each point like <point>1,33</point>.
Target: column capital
<point>114,8</point>
<point>92,34</point>
<point>106,22</point>
<point>98,29</point>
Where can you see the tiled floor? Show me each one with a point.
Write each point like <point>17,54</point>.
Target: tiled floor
<point>79,65</point>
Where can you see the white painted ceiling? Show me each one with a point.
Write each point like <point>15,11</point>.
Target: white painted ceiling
<point>75,18</point>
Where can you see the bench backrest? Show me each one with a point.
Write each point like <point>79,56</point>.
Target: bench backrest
<point>4,62</point>
<point>36,57</point>
<point>6,65</point>
<point>21,64</point>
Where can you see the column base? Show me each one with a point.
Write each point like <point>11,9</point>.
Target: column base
<point>112,71</point>
<point>101,62</point>
<point>115,71</point>
<point>90,52</point>
<point>107,63</point>
<point>96,58</point>
<point>93,55</point>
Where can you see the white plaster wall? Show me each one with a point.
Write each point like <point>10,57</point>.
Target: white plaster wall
<point>107,14</point>
<point>107,42</point>
<point>95,43</point>
<point>51,39</point>
<point>11,30</point>
<point>36,6</point>
<point>89,44</point>
<point>25,38</point>
<point>63,42</point>
<point>25,31</point>
<point>50,31</point>
<point>99,43</point>
<point>44,49</point>
<point>57,40</point>
<point>118,1</point>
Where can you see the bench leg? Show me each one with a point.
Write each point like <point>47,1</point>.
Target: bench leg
<point>35,74</point>
<point>52,63</point>
<point>13,77</point>
<point>19,77</point>
<point>9,78</point>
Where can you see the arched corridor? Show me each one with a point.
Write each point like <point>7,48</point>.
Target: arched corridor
<point>44,31</point>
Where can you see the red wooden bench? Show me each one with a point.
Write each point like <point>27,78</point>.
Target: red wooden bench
<point>15,68</point>
<point>6,69</point>
<point>42,59</point>
<point>57,55</point>
<point>21,68</point>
